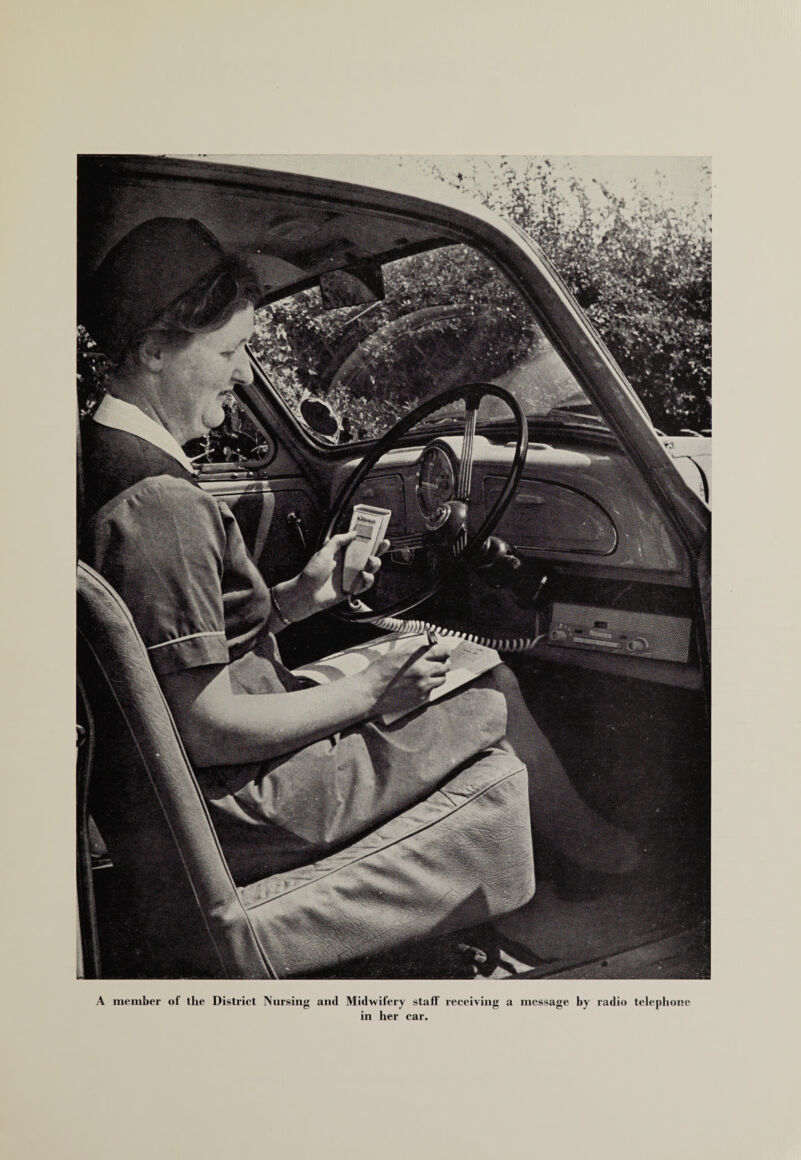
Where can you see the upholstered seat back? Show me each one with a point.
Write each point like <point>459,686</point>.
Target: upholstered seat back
<point>183,914</point>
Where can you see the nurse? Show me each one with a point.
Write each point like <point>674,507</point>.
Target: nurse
<point>290,769</point>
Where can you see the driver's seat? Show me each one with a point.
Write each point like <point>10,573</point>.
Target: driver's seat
<point>450,862</point>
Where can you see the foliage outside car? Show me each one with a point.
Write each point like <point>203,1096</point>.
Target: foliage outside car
<point>639,267</point>
<point>447,317</point>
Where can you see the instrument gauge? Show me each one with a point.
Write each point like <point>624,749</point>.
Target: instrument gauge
<point>435,485</point>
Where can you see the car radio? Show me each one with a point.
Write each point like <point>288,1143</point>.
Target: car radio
<point>608,630</point>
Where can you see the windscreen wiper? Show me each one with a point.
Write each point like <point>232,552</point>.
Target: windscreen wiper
<point>458,419</point>
<point>564,416</point>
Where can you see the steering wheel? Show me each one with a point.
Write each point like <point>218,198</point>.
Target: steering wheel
<point>451,534</point>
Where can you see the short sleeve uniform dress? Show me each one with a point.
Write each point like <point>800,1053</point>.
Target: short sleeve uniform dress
<point>177,558</point>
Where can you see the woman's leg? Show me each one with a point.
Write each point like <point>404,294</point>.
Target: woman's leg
<point>558,813</point>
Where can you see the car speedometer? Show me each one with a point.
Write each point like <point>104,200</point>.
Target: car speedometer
<point>435,485</point>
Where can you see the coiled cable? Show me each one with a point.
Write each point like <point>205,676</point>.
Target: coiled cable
<point>520,644</point>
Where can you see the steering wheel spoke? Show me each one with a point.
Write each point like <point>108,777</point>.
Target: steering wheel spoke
<point>464,481</point>
<point>450,547</point>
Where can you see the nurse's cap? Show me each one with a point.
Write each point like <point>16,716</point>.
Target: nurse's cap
<point>142,275</point>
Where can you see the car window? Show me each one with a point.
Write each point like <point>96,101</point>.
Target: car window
<point>448,317</point>
<point>239,439</point>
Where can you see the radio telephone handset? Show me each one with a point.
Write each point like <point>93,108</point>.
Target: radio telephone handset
<point>370,525</point>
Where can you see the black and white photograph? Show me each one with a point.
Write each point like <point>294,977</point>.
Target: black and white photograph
<point>394,567</point>
<point>394,783</point>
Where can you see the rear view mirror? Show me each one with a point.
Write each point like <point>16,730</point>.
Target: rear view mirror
<point>352,286</point>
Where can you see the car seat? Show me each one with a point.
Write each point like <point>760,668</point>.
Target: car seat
<point>455,859</point>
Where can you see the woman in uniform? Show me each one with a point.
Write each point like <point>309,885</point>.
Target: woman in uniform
<point>290,769</point>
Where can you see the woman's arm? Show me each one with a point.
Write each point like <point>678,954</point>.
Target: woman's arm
<point>221,727</point>
<point>319,585</point>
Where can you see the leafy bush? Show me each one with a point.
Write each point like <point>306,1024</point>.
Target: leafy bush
<point>640,267</point>
<point>92,369</point>
<point>448,317</point>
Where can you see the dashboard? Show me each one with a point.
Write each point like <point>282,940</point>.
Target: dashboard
<point>575,506</point>
<point>604,579</point>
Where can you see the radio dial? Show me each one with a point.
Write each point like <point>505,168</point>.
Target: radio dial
<point>637,645</point>
<point>558,634</point>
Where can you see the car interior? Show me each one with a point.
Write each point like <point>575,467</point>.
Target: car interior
<point>417,358</point>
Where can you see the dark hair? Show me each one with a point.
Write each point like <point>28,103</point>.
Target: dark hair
<point>209,304</point>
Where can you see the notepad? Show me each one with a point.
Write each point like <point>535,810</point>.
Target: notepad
<point>468,661</point>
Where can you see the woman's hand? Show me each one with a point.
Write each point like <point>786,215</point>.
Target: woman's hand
<point>319,585</point>
<point>403,679</point>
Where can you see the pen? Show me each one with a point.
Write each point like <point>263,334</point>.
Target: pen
<point>432,640</point>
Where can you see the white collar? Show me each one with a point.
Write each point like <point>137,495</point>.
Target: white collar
<point>114,412</point>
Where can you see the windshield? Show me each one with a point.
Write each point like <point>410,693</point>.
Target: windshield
<point>448,317</point>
